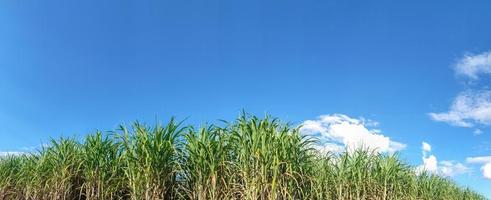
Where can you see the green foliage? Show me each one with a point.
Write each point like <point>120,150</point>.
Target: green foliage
<point>102,168</point>
<point>150,157</point>
<point>250,158</point>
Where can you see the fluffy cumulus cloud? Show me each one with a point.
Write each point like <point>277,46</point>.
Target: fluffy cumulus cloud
<point>485,161</point>
<point>430,163</point>
<point>472,66</point>
<point>469,108</point>
<point>337,132</point>
<point>486,170</point>
<point>446,168</point>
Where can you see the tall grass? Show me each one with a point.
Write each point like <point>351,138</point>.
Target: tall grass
<point>250,158</point>
<point>150,159</point>
<point>103,168</point>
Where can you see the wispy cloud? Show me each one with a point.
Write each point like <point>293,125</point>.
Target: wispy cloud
<point>452,168</point>
<point>468,109</point>
<point>478,131</point>
<point>478,159</point>
<point>446,167</point>
<point>337,132</point>
<point>471,107</point>
<point>472,66</point>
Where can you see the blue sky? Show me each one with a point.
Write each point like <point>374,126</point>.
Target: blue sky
<point>69,68</point>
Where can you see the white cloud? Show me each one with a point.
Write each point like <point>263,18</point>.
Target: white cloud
<point>426,147</point>
<point>337,132</point>
<point>430,164</point>
<point>486,161</point>
<point>446,168</point>
<point>452,168</point>
<point>486,171</point>
<point>330,147</point>
<point>478,160</point>
<point>468,109</point>
<point>478,131</point>
<point>471,107</point>
<point>10,153</point>
<point>472,65</point>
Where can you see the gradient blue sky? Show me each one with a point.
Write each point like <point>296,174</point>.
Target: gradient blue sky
<point>69,68</point>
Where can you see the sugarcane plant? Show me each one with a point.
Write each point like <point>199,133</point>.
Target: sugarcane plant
<point>250,158</point>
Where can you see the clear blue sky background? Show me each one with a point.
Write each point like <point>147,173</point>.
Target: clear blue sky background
<point>69,68</point>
